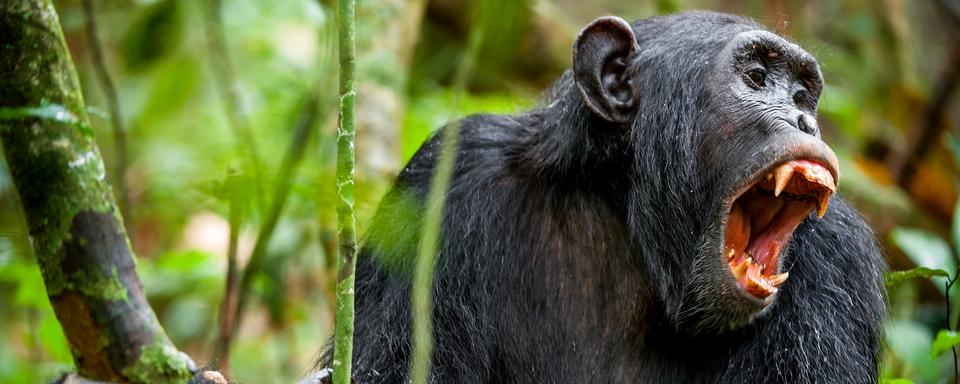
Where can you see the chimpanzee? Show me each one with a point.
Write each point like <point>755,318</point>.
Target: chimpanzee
<point>660,218</point>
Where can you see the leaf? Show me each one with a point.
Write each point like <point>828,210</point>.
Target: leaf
<point>47,111</point>
<point>924,249</point>
<point>910,342</point>
<point>945,340</point>
<point>895,381</point>
<point>153,34</point>
<point>891,279</point>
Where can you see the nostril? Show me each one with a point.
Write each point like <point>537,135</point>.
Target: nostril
<point>805,125</point>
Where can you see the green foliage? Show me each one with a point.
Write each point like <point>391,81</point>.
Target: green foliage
<point>924,249</point>
<point>944,342</point>
<point>909,342</point>
<point>153,35</point>
<point>38,327</point>
<point>907,337</point>
<point>894,278</point>
<point>895,381</point>
<point>432,110</point>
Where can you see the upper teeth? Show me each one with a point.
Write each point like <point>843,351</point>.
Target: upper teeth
<point>815,173</point>
<point>782,174</point>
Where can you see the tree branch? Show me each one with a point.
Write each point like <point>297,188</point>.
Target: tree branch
<point>229,304</point>
<point>75,229</point>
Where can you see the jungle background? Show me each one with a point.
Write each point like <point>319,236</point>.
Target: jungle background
<point>208,103</point>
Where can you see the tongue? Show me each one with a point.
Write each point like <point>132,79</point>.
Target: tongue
<point>766,244</point>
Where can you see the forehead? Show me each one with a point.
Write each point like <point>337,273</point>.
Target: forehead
<point>707,47</point>
<point>761,43</point>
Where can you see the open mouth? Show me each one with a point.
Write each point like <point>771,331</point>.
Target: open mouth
<point>762,220</point>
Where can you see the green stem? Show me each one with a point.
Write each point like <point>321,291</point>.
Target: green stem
<point>422,291</point>
<point>346,221</point>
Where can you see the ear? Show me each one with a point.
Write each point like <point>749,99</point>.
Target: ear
<point>600,57</point>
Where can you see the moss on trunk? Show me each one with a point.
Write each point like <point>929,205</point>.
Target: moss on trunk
<point>75,229</point>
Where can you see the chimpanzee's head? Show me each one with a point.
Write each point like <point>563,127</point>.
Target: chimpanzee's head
<point>728,160</point>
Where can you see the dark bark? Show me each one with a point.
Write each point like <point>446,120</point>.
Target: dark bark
<point>225,336</point>
<point>75,229</point>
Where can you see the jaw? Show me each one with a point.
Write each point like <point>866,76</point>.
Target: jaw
<point>761,220</point>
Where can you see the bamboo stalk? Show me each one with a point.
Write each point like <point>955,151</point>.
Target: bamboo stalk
<point>346,220</point>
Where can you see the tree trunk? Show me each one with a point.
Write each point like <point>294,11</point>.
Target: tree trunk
<point>75,228</point>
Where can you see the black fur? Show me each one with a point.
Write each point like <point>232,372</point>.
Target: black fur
<point>571,245</point>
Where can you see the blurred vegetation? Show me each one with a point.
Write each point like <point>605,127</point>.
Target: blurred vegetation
<point>889,66</point>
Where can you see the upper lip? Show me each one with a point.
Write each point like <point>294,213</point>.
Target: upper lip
<point>802,147</point>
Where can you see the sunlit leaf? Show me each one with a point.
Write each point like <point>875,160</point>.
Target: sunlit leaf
<point>924,249</point>
<point>47,111</point>
<point>184,261</point>
<point>945,340</point>
<point>895,381</point>
<point>896,277</point>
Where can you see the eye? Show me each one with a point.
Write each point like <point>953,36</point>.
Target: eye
<point>758,76</point>
<point>802,97</point>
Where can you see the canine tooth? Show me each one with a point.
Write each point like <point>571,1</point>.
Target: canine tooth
<point>783,174</point>
<point>777,280</point>
<point>741,269</point>
<point>822,204</point>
